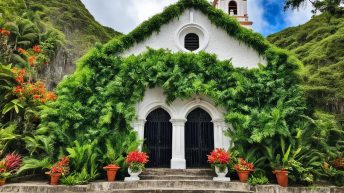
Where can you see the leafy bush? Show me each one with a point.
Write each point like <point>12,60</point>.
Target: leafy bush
<point>258,179</point>
<point>78,178</point>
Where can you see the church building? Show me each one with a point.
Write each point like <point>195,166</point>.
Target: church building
<point>181,134</point>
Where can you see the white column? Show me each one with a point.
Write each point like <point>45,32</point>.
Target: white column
<point>139,127</point>
<point>220,139</point>
<point>178,144</point>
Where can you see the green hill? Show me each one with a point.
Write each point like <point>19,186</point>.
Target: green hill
<point>320,45</point>
<point>80,29</point>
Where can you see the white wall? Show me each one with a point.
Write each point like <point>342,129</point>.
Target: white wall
<point>220,43</point>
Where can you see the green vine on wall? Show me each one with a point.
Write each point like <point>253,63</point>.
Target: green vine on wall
<point>99,99</point>
<point>97,102</point>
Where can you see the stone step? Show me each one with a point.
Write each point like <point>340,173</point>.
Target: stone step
<point>174,190</point>
<point>177,174</point>
<point>175,177</point>
<point>170,184</point>
<point>167,171</point>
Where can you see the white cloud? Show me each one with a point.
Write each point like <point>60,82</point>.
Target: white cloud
<point>256,14</point>
<point>125,15</point>
<point>300,16</point>
<point>148,8</point>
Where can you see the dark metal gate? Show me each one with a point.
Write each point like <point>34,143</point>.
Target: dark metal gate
<point>158,138</point>
<point>199,138</point>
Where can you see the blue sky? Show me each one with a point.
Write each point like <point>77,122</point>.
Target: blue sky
<point>124,15</point>
<point>275,17</point>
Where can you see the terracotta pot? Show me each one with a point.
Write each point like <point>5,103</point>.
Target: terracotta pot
<point>338,163</point>
<point>243,175</point>
<point>111,171</point>
<point>2,182</point>
<point>54,178</point>
<point>282,177</point>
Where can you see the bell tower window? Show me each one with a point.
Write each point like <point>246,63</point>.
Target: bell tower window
<point>233,8</point>
<point>191,42</point>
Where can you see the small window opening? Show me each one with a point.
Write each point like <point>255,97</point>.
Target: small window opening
<point>233,8</point>
<point>191,42</point>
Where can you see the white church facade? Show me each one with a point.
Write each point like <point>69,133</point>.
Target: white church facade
<point>180,135</point>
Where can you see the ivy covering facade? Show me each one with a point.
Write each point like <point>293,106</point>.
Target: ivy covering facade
<point>98,100</point>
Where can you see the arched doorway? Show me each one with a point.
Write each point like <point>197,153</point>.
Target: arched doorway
<point>199,138</point>
<point>158,138</point>
<point>233,8</point>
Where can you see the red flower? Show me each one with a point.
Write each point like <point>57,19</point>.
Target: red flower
<point>19,90</point>
<point>56,169</point>
<point>61,167</point>
<point>64,161</point>
<point>137,157</point>
<point>242,165</point>
<point>36,49</point>
<point>5,32</point>
<point>219,156</point>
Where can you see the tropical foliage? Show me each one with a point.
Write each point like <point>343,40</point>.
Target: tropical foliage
<point>330,6</point>
<point>91,119</point>
<point>9,165</point>
<point>265,105</point>
<point>319,44</point>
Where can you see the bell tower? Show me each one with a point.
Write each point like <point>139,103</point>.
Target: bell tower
<point>235,8</point>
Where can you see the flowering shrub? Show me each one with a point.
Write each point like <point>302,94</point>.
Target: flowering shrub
<point>219,158</point>
<point>36,49</point>
<point>9,165</point>
<point>61,167</point>
<point>242,165</point>
<point>31,91</point>
<point>36,56</point>
<point>136,160</point>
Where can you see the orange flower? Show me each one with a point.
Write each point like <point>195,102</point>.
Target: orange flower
<point>32,60</point>
<point>5,32</point>
<point>36,49</point>
<point>18,90</point>
<point>20,79</point>
<point>51,96</point>
<point>22,51</point>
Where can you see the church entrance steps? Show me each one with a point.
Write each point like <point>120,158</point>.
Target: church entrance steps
<point>175,190</point>
<point>167,171</point>
<point>129,187</point>
<point>172,184</point>
<point>174,177</point>
<point>171,174</point>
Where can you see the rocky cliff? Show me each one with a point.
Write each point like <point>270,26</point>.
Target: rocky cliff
<point>80,29</point>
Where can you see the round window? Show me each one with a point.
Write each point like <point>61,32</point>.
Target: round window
<point>191,42</point>
<point>192,38</point>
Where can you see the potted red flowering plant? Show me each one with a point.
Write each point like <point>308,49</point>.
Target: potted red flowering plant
<point>59,169</point>
<point>220,159</point>
<point>136,161</point>
<point>243,169</point>
<point>8,166</point>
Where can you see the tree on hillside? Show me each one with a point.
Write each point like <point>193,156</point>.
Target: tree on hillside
<point>331,6</point>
